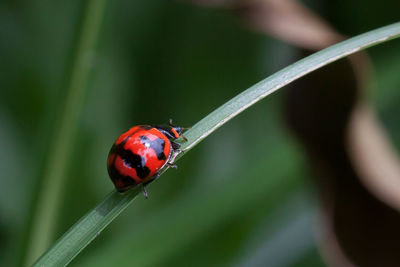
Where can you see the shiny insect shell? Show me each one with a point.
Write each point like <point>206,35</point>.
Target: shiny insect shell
<point>139,154</point>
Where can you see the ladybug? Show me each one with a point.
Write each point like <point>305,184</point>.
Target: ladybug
<point>139,154</point>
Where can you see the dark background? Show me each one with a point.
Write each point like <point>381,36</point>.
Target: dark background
<point>242,197</point>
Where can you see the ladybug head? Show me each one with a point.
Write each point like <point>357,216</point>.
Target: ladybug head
<point>172,132</point>
<point>178,130</point>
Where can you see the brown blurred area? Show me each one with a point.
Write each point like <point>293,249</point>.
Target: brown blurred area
<point>355,168</point>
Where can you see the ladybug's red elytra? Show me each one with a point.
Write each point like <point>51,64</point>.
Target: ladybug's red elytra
<point>139,154</point>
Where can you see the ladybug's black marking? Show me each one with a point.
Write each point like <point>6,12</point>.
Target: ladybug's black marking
<point>125,180</point>
<point>157,145</point>
<point>131,159</point>
<point>112,171</point>
<point>135,161</point>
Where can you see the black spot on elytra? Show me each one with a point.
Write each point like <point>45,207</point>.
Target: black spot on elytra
<point>135,161</point>
<point>127,183</point>
<point>157,145</point>
<point>112,171</point>
<point>131,159</point>
<point>124,182</point>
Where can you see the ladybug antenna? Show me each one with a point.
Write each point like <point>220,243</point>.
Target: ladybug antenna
<point>181,128</point>
<point>183,137</point>
<point>179,132</point>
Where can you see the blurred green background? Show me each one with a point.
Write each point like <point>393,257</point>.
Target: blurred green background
<point>240,198</point>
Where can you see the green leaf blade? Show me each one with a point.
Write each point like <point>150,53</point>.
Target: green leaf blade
<point>87,229</point>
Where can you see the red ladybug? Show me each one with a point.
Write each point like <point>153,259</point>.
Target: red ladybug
<point>139,154</point>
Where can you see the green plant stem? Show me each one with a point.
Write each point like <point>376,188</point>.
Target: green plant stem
<point>46,211</point>
<point>85,230</point>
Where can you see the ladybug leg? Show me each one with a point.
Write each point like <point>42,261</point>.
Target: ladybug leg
<point>155,176</point>
<point>175,146</point>
<point>172,165</point>
<point>178,150</point>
